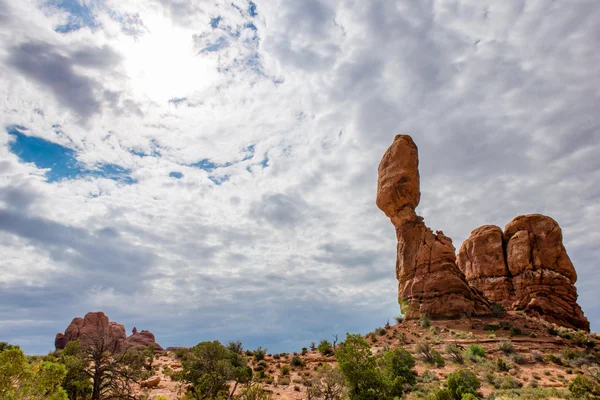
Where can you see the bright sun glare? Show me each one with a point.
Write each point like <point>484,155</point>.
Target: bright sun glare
<point>163,64</point>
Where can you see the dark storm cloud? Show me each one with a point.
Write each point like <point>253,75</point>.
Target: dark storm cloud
<point>52,67</point>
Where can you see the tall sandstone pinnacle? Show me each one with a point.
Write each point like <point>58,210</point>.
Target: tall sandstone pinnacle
<point>429,281</point>
<point>526,268</point>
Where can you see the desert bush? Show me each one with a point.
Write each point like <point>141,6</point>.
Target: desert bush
<point>424,321</point>
<point>537,356</point>
<point>325,347</point>
<point>462,382</point>
<point>276,356</point>
<point>253,392</point>
<point>236,347</point>
<point>304,351</point>
<point>296,361</point>
<point>554,359</point>
<point>502,365</point>
<point>454,351</point>
<point>497,310</point>
<point>492,328</point>
<point>327,384</point>
<point>260,353</point>
<point>508,382</point>
<point>552,330</point>
<point>313,346</point>
<point>518,359</point>
<point>515,331</point>
<point>506,347</point>
<point>380,331</point>
<point>285,370</point>
<point>428,376</point>
<point>505,325</point>
<point>474,352</point>
<point>399,319</point>
<point>284,380</point>
<point>584,388</point>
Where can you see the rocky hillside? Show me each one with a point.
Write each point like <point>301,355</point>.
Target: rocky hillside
<point>513,356</point>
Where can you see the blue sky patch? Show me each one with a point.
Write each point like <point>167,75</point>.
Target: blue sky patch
<point>60,160</point>
<point>252,9</point>
<point>214,22</point>
<point>176,174</point>
<point>80,15</point>
<point>218,180</point>
<point>205,164</point>
<point>218,45</point>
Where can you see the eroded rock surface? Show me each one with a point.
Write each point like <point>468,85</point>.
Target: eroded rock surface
<point>526,267</point>
<point>428,279</point>
<point>96,326</point>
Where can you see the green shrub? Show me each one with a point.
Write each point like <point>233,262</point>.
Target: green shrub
<point>424,349</point>
<point>454,351</point>
<point>396,368</point>
<point>475,352</point>
<point>505,325</point>
<point>296,362</point>
<point>502,365</point>
<point>428,376</point>
<point>555,359</point>
<point>260,353</point>
<point>424,321</point>
<point>497,310</point>
<point>380,331</point>
<point>515,331</point>
<point>583,388</point>
<point>359,367</point>
<point>492,328</point>
<point>325,348</point>
<point>285,370</point>
<point>399,319</point>
<point>510,383</point>
<point>506,347</point>
<point>462,382</point>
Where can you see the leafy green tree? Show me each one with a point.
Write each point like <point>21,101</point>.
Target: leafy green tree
<point>209,366</point>
<point>325,347</point>
<point>359,367</point>
<point>76,382</point>
<point>397,370</point>
<point>19,380</point>
<point>462,382</point>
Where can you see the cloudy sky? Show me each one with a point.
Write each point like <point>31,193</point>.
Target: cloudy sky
<point>207,169</point>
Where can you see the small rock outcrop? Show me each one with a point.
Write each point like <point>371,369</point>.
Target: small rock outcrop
<point>526,268</point>
<point>143,338</point>
<point>96,326</point>
<point>429,281</point>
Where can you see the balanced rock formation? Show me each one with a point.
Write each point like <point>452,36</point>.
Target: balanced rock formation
<point>526,267</point>
<point>96,326</point>
<point>429,281</point>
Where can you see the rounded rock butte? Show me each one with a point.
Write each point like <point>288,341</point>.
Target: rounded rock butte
<point>95,326</point>
<point>525,267</point>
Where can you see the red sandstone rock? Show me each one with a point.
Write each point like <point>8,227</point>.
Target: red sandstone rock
<point>535,276</point>
<point>481,259</point>
<point>543,274</point>
<point>142,339</point>
<point>428,279</point>
<point>151,383</point>
<point>96,325</point>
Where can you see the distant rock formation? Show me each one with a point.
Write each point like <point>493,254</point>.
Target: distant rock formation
<point>429,281</point>
<point>96,325</point>
<point>526,267</point>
